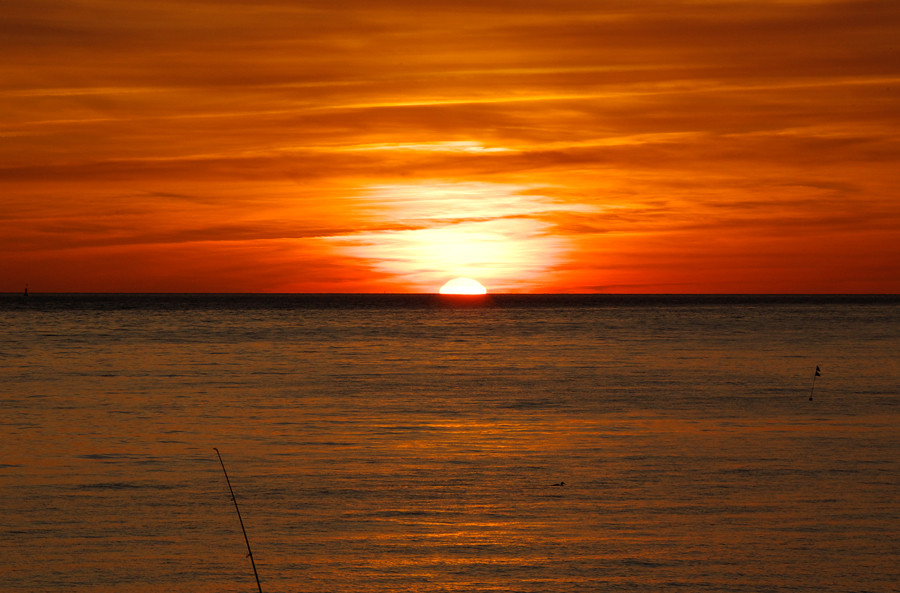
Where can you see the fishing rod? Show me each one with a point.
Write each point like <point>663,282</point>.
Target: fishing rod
<point>246,539</point>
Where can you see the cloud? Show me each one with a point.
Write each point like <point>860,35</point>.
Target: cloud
<point>155,123</point>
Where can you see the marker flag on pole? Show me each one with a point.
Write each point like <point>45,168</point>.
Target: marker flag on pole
<point>813,388</point>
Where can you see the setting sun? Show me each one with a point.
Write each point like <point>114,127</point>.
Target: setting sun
<point>463,286</point>
<point>287,149</point>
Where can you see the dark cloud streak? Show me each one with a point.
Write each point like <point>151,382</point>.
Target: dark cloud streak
<point>225,121</point>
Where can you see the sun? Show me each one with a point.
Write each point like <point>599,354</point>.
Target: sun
<point>463,286</point>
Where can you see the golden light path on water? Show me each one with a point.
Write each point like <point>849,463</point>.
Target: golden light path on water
<point>376,447</point>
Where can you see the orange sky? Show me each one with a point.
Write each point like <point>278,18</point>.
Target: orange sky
<point>387,145</point>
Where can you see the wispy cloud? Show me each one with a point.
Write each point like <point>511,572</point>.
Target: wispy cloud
<point>610,144</point>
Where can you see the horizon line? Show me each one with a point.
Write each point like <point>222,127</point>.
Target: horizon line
<point>586,294</point>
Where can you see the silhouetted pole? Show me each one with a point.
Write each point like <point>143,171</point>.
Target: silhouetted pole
<point>246,539</point>
<point>817,374</point>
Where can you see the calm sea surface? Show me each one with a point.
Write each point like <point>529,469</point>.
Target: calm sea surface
<point>387,443</point>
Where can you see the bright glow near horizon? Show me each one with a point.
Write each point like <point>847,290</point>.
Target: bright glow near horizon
<point>287,149</point>
<point>463,286</point>
<point>486,230</point>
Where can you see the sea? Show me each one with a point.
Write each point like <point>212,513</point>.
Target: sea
<point>426,443</point>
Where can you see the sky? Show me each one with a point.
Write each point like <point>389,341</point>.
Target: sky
<point>578,146</point>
